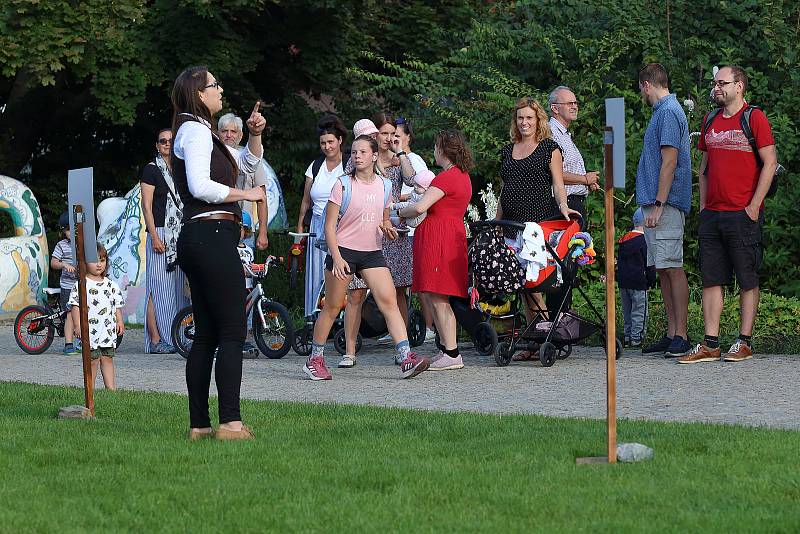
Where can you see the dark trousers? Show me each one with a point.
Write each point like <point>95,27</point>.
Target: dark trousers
<point>207,254</point>
<point>553,300</point>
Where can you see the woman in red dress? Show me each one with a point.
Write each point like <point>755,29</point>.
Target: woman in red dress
<point>440,242</point>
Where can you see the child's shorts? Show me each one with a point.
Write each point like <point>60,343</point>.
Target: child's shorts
<point>358,260</point>
<point>103,351</point>
<point>63,299</point>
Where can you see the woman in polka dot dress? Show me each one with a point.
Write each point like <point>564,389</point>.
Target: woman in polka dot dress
<point>533,183</point>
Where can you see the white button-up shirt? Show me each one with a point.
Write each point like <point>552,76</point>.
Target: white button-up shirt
<point>573,161</point>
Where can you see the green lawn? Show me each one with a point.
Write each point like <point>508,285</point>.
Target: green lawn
<point>362,469</point>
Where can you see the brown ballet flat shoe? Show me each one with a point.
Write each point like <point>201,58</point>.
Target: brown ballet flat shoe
<point>195,434</point>
<point>245,433</point>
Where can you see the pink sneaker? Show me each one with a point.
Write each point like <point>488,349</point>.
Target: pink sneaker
<point>316,370</point>
<point>443,362</point>
<point>413,365</point>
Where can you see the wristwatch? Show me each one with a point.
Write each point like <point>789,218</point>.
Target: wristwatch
<point>658,203</point>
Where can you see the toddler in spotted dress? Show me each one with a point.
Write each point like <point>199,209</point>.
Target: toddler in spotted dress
<point>104,309</point>
<point>422,181</point>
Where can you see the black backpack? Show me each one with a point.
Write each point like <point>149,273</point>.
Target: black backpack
<point>315,167</point>
<point>744,121</point>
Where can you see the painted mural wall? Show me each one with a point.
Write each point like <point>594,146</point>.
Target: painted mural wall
<point>24,258</point>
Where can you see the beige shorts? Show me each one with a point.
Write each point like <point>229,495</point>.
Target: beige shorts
<point>665,241</point>
<point>102,351</point>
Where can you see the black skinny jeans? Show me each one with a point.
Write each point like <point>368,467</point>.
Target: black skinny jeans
<point>207,254</point>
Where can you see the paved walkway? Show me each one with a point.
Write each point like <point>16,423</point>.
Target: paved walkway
<point>762,391</point>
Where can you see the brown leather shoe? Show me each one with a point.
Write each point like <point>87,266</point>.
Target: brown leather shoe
<point>245,433</point>
<point>739,351</point>
<point>195,434</point>
<point>701,353</point>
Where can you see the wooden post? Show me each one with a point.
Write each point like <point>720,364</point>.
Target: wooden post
<point>611,300</point>
<point>88,383</point>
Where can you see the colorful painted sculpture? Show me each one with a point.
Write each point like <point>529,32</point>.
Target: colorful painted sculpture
<point>24,258</point>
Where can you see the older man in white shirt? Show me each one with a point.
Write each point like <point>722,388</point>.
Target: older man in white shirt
<point>563,110</point>
<point>230,131</point>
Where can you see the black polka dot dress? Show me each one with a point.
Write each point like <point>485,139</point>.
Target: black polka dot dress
<point>528,185</point>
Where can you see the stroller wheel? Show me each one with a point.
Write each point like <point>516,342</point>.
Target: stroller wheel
<point>564,352</point>
<point>502,354</point>
<point>416,328</point>
<point>302,340</point>
<point>617,346</point>
<point>340,343</point>
<point>485,338</point>
<point>547,354</point>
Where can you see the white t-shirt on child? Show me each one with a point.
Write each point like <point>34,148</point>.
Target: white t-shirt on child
<point>104,298</point>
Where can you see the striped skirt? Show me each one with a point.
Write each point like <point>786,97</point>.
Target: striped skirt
<point>166,289</point>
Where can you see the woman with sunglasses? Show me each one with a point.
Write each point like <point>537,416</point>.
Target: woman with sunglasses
<point>205,171</point>
<point>161,208</point>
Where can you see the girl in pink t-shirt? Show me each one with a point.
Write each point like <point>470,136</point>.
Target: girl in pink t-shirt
<point>354,244</point>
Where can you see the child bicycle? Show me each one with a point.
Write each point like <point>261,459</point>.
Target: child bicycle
<point>36,325</point>
<point>272,327</point>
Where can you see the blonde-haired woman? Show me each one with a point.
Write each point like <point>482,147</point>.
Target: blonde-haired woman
<point>533,183</point>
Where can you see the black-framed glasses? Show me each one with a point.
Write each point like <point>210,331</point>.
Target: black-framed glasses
<point>215,85</point>
<point>165,141</point>
<point>721,83</point>
<point>570,103</point>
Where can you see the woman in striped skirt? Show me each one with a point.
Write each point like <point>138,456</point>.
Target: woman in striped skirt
<point>164,283</point>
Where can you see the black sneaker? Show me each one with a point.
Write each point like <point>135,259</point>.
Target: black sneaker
<point>659,347</point>
<point>679,347</point>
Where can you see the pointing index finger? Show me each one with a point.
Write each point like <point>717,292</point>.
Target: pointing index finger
<point>256,107</point>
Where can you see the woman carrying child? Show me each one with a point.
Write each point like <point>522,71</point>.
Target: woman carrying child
<point>354,241</point>
<point>440,243</point>
<point>104,309</point>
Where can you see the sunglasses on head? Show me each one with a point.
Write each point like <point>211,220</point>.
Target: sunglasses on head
<point>400,120</point>
<point>164,141</point>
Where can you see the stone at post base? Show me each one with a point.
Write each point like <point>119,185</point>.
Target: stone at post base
<point>75,411</point>
<point>633,452</point>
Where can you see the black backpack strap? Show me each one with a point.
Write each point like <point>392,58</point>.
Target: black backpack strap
<point>706,125</point>
<point>744,121</point>
<point>316,166</point>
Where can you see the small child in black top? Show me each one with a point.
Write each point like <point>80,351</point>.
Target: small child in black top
<point>634,278</point>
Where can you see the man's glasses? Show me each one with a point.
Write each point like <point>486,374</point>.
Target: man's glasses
<point>721,83</point>
<point>215,85</point>
<point>165,141</point>
<point>571,103</point>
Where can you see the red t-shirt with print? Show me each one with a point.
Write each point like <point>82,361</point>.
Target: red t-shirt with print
<point>732,172</point>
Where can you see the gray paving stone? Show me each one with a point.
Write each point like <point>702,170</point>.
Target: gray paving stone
<point>758,392</point>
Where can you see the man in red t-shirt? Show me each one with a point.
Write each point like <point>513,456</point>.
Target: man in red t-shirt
<point>732,191</point>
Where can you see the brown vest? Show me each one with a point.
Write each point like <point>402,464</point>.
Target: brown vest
<point>223,171</point>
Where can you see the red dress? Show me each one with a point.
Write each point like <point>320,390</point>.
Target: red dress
<point>440,241</point>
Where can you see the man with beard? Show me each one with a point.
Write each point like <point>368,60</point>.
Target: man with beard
<point>734,181</point>
<point>229,129</point>
<point>664,191</point>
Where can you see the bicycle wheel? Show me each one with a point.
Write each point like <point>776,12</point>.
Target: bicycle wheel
<point>33,331</point>
<point>182,331</point>
<point>302,340</point>
<point>276,336</point>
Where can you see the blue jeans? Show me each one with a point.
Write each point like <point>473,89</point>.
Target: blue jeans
<point>634,310</point>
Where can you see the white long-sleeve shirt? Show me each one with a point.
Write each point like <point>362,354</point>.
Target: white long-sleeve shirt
<point>193,144</point>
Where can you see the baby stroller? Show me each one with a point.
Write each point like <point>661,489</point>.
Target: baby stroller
<point>554,331</point>
<point>373,325</point>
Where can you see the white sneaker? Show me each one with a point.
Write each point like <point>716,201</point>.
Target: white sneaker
<point>398,359</point>
<point>430,335</point>
<point>347,361</point>
<point>385,340</point>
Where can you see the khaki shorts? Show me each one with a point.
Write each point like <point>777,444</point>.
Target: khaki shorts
<point>665,241</point>
<point>102,351</point>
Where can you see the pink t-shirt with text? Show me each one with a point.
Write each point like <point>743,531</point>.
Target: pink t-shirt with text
<point>358,227</point>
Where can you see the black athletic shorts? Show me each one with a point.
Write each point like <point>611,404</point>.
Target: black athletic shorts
<point>358,260</point>
<point>730,243</point>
